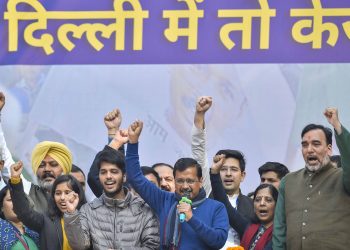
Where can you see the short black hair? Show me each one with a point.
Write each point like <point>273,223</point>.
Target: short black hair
<point>184,163</point>
<point>148,170</point>
<point>159,164</point>
<point>327,131</point>
<point>230,153</point>
<point>272,189</point>
<point>76,169</point>
<point>112,157</point>
<point>280,169</point>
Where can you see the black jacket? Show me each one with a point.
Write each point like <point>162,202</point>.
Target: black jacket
<point>49,229</point>
<point>244,205</point>
<point>241,218</point>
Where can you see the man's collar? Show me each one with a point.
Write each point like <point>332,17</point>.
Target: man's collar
<point>117,202</point>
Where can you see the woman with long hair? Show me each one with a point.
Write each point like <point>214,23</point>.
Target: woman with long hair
<point>255,234</point>
<point>49,225</point>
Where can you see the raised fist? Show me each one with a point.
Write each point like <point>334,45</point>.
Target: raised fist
<point>134,131</point>
<point>16,169</point>
<point>2,163</point>
<point>203,104</point>
<point>2,100</point>
<point>113,121</point>
<point>218,161</point>
<point>72,202</point>
<point>331,115</point>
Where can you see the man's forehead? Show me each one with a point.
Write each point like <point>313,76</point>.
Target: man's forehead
<point>231,162</point>
<point>188,172</point>
<point>108,166</point>
<point>314,135</point>
<point>270,174</point>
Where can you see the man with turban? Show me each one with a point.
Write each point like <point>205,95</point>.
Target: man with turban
<point>49,160</point>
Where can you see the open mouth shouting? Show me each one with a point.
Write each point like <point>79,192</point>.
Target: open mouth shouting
<point>312,160</point>
<point>263,213</point>
<point>63,205</point>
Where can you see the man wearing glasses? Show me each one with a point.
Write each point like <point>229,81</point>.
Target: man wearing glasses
<point>206,221</point>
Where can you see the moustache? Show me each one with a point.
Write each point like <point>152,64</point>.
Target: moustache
<point>188,190</point>
<point>166,188</point>
<point>46,175</point>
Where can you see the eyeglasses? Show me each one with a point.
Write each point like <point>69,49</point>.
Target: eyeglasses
<point>188,181</point>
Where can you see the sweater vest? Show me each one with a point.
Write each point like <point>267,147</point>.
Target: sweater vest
<point>317,210</point>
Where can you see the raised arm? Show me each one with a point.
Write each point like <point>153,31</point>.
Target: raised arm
<point>198,140</point>
<point>342,137</point>
<point>112,121</point>
<point>5,154</point>
<point>237,221</point>
<point>149,192</point>
<point>21,207</point>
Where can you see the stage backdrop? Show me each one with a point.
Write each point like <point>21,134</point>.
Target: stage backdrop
<point>65,64</point>
<point>174,31</point>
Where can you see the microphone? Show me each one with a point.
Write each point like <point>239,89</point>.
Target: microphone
<point>185,198</point>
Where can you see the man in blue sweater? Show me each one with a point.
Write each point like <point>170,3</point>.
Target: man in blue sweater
<point>206,222</point>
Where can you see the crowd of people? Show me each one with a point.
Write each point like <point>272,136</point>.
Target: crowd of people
<point>196,203</point>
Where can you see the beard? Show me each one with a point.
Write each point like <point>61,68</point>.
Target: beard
<point>46,185</point>
<point>114,193</point>
<point>315,168</point>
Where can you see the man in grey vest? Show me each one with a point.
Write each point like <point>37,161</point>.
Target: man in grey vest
<point>313,207</point>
